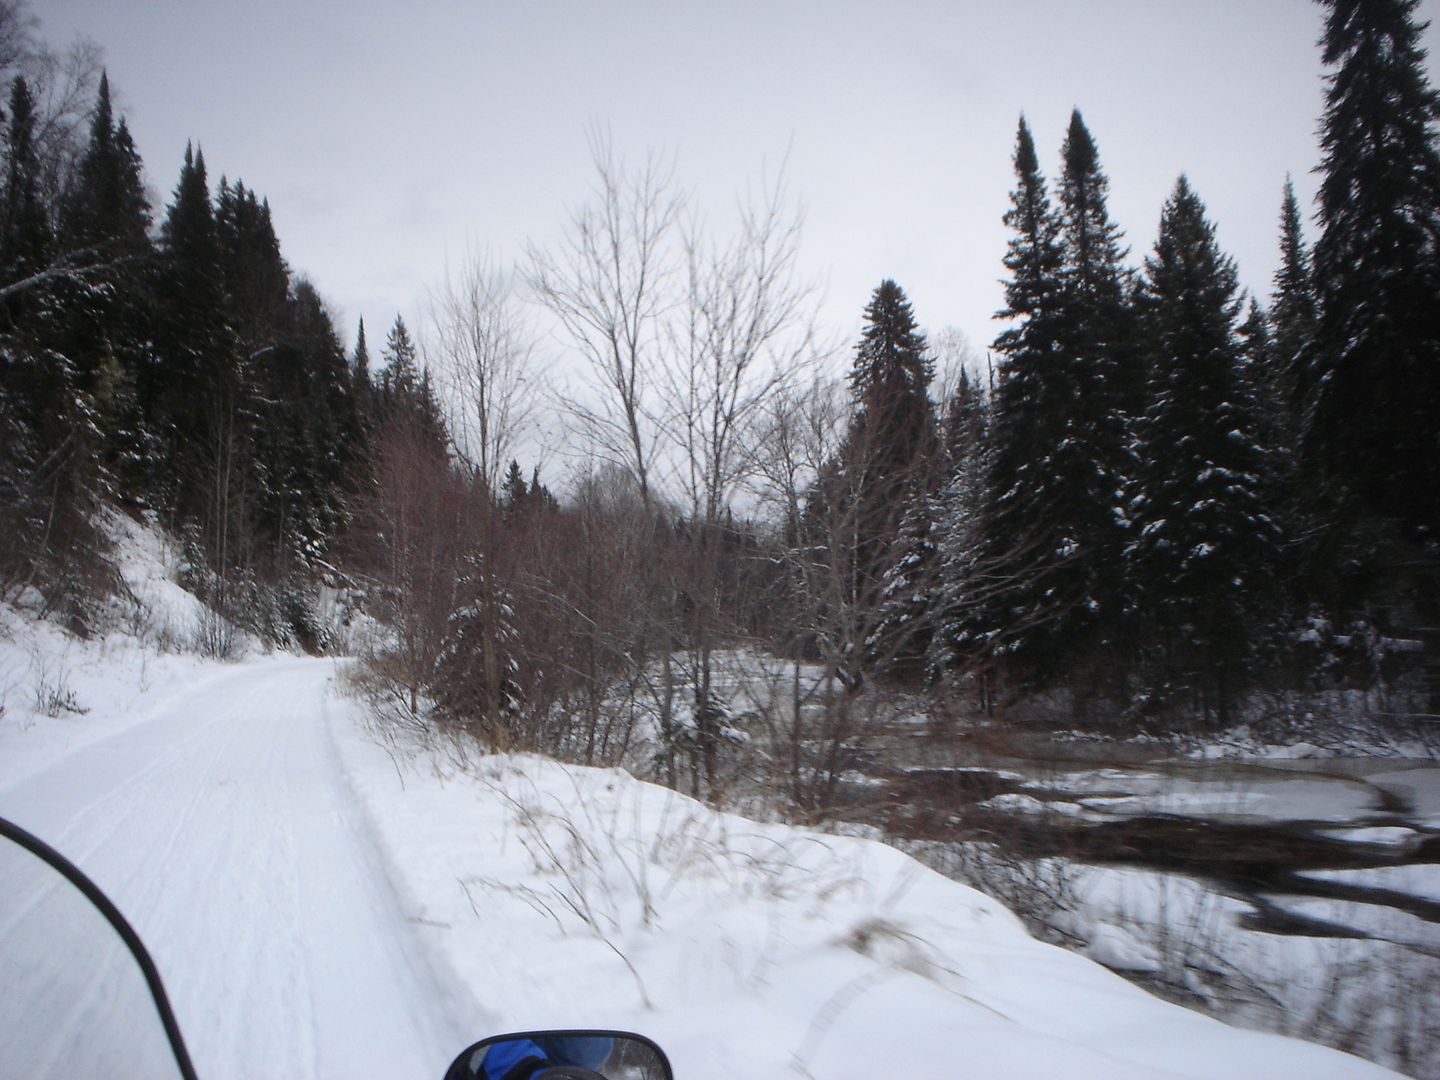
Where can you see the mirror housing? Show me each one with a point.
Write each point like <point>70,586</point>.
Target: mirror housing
<point>562,1055</point>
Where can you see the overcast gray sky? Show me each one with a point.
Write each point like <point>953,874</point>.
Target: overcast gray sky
<point>391,135</point>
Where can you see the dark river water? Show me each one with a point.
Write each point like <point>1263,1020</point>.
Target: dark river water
<point>1249,828</point>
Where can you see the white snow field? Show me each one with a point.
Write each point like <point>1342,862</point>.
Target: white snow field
<point>320,908</point>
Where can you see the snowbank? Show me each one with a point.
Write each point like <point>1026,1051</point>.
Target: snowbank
<point>571,896</point>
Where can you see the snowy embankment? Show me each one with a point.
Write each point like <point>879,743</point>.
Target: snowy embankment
<point>570,896</point>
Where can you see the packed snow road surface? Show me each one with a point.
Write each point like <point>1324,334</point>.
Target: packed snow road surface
<point>224,828</point>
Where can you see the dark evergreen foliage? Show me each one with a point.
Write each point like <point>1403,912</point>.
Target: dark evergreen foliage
<point>1109,375</point>
<point>513,490</point>
<point>890,464</point>
<point>1370,447</point>
<point>1375,369</point>
<point>105,209</point>
<point>109,319</point>
<point>310,443</point>
<point>26,239</point>
<point>1292,320</point>
<point>360,376</point>
<point>194,391</point>
<point>1042,511</point>
<point>959,516</point>
<point>405,393</point>
<point>1204,551</point>
<point>478,681</point>
<point>1105,393</point>
<point>256,278</point>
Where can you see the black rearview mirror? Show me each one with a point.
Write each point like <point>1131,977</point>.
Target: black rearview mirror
<point>562,1055</point>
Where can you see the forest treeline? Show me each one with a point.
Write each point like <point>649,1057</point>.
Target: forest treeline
<point>1166,500</point>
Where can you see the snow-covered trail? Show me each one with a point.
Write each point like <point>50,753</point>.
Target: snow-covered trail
<point>223,826</point>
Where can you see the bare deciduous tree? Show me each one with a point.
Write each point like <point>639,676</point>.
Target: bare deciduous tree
<point>610,286</point>
<point>742,332</point>
<point>482,351</point>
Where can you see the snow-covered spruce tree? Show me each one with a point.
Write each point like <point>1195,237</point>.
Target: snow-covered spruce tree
<point>109,320</point>
<point>1375,368</point>
<point>1101,333</point>
<point>310,429</point>
<point>889,460</point>
<point>910,590</point>
<point>49,406</point>
<point>105,210</point>
<point>477,685</point>
<point>1260,367</point>
<point>194,394</point>
<point>1203,556</point>
<point>958,516</point>
<point>1031,592</point>
<point>892,435</point>
<point>1107,377</point>
<point>24,240</point>
<point>1369,444</point>
<point>403,389</point>
<point>513,491</point>
<point>257,280</point>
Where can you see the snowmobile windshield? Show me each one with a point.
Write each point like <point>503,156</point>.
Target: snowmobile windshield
<point>75,999</point>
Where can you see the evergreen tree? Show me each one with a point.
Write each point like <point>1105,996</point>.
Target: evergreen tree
<point>194,392</point>
<point>310,434</point>
<point>1374,372</point>
<point>1105,392</point>
<point>1033,590</point>
<point>401,376</point>
<point>478,679</point>
<point>890,461</point>
<point>26,241</point>
<point>28,386</point>
<point>109,320</point>
<point>1373,376</point>
<point>514,492</point>
<point>892,436</point>
<point>1110,379</point>
<point>105,209</point>
<point>540,497</point>
<point>405,395</point>
<point>360,375</point>
<point>910,590</point>
<point>1204,553</point>
<point>256,277</point>
<point>51,395</point>
<point>1260,367</point>
<point>958,518</point>
<point>1292,317</point>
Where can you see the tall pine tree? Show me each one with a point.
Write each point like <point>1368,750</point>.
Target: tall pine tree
<point>26,241</point>
<point>109,319</point>
<point>1204,551</point>
<point>105,208</point>
<point>890,460</point>
<point>1292,317</point>
<point>1031,587</point>
<point>1101,342</point>
<point>195,389</point>
<point>1106,391</point>
<point>1375,368</point>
